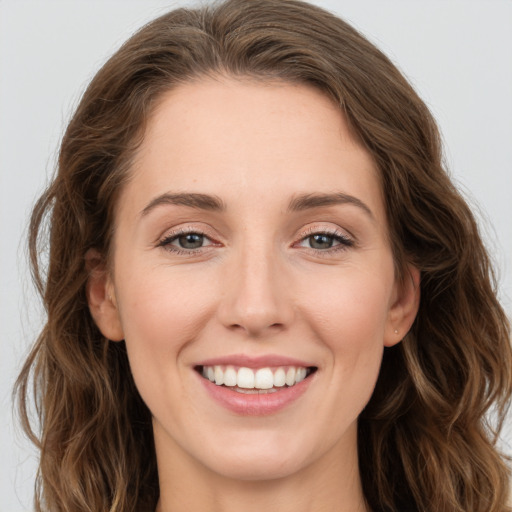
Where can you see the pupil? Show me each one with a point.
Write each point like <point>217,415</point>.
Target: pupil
<point>191,241</point>
<point>320,241</point>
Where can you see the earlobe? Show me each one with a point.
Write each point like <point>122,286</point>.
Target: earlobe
<point>101,297</point>
<point>404,308</point>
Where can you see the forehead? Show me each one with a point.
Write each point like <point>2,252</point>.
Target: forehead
<point>243,140</point>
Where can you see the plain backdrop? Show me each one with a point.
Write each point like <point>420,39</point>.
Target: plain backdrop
<point>457,53</point>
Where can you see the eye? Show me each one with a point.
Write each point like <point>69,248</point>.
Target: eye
<point>185,241</point>
<point>320,241</point>
<point>325,241</point>
<point>190,241</point>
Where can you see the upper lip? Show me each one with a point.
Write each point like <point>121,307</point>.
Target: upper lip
<point>254,361</point>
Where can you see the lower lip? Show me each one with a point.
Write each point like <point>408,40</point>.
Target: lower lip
<point>255,404</point>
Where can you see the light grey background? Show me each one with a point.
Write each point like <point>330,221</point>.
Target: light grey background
<point>457,53</point>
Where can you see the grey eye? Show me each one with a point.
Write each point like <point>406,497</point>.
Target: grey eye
<point>190,241</point>
<point>321,241</point>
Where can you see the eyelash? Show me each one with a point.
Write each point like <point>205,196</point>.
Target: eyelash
<point>166,242</point>
<point>344,242</point>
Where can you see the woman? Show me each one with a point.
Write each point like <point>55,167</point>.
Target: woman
<point>263,290</point>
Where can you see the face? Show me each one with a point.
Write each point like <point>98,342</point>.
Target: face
<point>251,248</point>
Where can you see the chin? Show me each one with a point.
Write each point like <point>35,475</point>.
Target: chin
<point>256,458</point>
<point>258,467</point>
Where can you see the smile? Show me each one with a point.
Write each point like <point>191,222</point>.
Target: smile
<point>250,385</point>
<point>255,380</point>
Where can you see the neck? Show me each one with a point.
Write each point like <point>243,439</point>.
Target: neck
<point>330,484</point>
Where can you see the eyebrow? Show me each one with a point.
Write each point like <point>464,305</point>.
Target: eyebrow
<point>215,203</point>
<point>189,199</point>
<point>308,201</point>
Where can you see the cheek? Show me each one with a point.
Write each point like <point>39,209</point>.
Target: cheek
<point>161,306</point>
<point>349,307</point>
<point>354,335</point>
<point>160,316</point>
<point>349,318</point>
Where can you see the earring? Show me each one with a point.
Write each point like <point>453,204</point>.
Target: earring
<point>396,331</point>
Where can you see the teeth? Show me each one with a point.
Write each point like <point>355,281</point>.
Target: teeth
<point>230,376</point>
<point>290,376</point>
<point>219,375</point>
<point>300,375</point>
<point>264,379</point>
<point>279,378</point>
<point>246,379</point>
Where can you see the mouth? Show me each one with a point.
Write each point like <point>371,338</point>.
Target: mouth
<point>265,380</point>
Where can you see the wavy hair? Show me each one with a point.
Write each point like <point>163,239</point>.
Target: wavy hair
<point>425,441</point>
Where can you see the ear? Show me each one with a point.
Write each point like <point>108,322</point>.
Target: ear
<point>406,301</point>
<point>101,297</point>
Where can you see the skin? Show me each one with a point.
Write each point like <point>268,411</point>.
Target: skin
<point>258,285</point>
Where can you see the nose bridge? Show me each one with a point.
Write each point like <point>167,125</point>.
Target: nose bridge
<point>256,299</point>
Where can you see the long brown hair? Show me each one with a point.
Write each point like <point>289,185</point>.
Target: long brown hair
<point>425,442</point>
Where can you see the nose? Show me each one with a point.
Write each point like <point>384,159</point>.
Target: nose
<point>256,299</point>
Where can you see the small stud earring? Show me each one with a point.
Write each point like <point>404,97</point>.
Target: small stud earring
<point>396,331</point>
